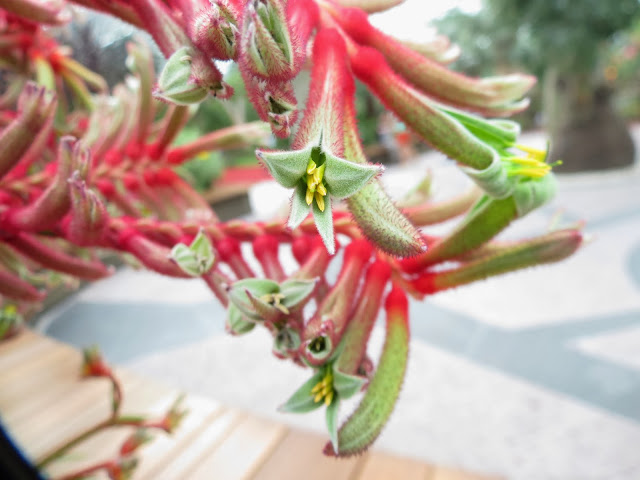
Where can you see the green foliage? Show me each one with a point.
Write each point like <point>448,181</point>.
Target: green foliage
<point>535,33</point>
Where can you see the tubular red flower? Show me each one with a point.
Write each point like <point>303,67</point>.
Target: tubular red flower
<point>363,318</point>
<point>494,96</point>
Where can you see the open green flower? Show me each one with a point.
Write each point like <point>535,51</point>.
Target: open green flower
<point>263,299</point>
<point>327,387</point>
<point>316,174</point>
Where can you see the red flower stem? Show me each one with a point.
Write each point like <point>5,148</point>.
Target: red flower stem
<point>82,436</point>
<point>56,259</point>
<point>223,139</point>
<point>356,336</point>
<point>217,281</point>
<point>174,121</point>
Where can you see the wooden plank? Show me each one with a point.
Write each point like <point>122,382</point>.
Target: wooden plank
<point>242,452</point>
<point>197,448</point>
<point>140,398</point>
<point>300,456</point>
<point>156,455</point>
<point>88,403</point>
<point>23,341</point>
<point>25,395</point>
<point>442,473</point>
<point>20,363</point>
<point>382,466</point>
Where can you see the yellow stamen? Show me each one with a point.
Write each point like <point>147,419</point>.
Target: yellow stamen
<point>534,152</point>
<point>328,398</point>
<point>531,172</point>
<point>321,189</point>
<point>318,397</point>
<point>311,166</point>
<point>317,387</point>
<point>528,161</point>
<point>309,197</point>
<point>319,173</point>
<point>319,200</point>
<point>311,184</point>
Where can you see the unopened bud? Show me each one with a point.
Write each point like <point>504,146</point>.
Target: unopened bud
<point>214,29</point>
<point>176,83</point>
<point>550,248</point>
<point>267,48</point>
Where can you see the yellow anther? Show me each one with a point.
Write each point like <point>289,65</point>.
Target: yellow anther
<point>534,152</point>
<point>311,166</point>
<point>319,200</point>
<point>311,184</point>
<point>328,398</point>
<point>321,189</point>
<point>531,172</point>
<point>309,197</point>
<point>528,161</point>
<point>318,397</point>
<point>317,388</point>
<point>319,173</point>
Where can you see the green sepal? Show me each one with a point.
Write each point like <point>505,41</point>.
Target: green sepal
<point>533,193</point>
<point>302,400</point>
<point>296,292</point>
<point>195,259</point>
<point>257,287</point>
<point>347,385</point>
<point>299,207</point>
<point>344,178</point>
<point>286,167</point>
<point>331,418</point>
<point>492,179</point>
<point>263,310</point>
<point>499,133</point>
<point>236,323</point>
<point>324,224</point>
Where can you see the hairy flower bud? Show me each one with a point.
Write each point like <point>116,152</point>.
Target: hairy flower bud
<point>214,29</point>
<point>498,96</point>
<point>176,84</point>
<point>267,49</point>
<point>35,106</point>
<point>549,248</point>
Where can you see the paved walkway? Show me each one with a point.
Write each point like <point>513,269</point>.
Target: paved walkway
<point>534,375</point>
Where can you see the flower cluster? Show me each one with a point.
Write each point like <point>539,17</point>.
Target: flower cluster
<point>84,169</point>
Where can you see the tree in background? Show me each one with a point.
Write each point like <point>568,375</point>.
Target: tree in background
<point>564,43</point>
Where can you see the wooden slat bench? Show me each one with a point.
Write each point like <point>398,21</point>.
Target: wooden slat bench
<point>44,402</point>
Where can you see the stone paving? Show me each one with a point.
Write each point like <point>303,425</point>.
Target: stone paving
<point>534,375</point>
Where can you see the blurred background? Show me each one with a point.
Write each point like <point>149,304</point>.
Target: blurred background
<point>534,375</point>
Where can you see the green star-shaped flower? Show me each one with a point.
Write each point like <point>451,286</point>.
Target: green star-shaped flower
<point>316,174</point>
